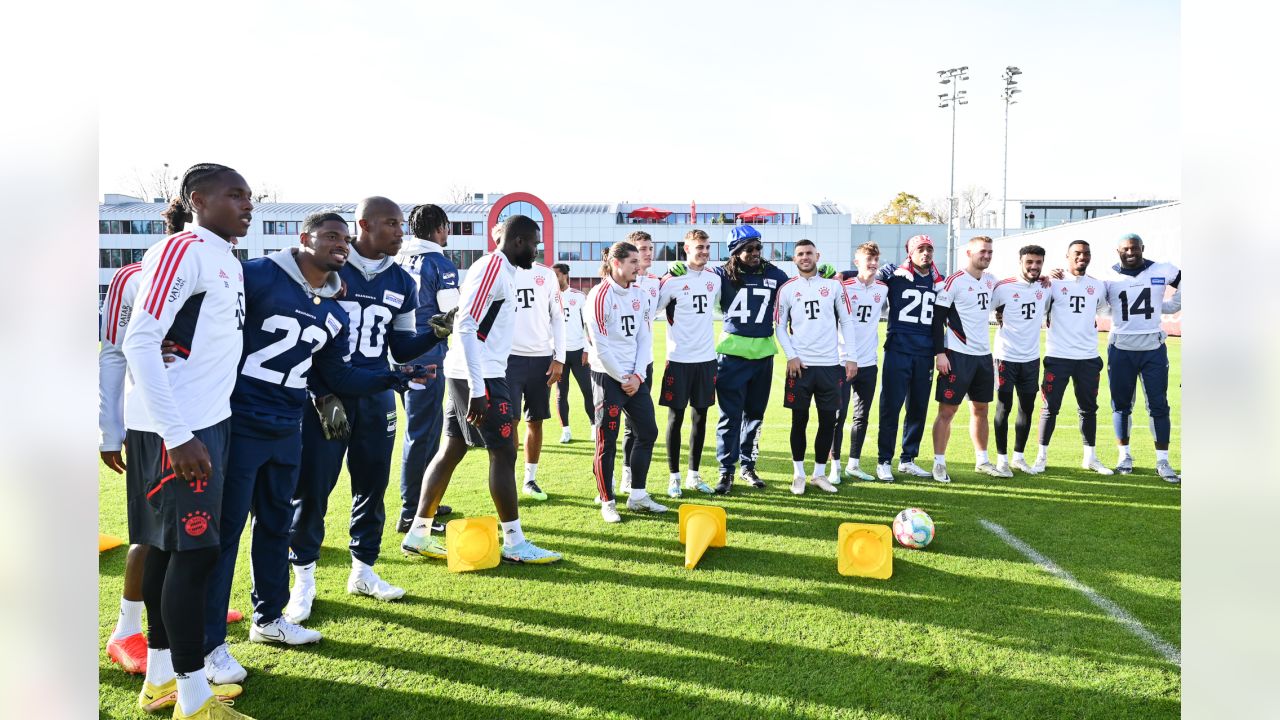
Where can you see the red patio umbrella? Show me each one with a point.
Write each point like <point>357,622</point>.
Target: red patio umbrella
<point>648,213</point>
<point>756,213</point>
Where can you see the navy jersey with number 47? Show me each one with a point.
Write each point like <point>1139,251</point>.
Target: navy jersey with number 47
<point>748,308</point>
<point>910,328</point>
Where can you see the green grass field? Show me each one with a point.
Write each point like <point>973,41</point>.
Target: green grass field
<point>764,628</point>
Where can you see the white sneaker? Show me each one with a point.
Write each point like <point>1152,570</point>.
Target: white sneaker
<point>222,669</point>
<point>1167,473</point>
<point>368,583</point>
<point>625,488</point>
<point>695,482</point>
<point>609,511</point>
<point>565,435</point>
<point>301,597</point>
<point>883,473</point>
<point>940,473</point>
<point>1096,465</point>
<point>911,468</point>
<point>855,472</point>
<point>645,504</point>
<point>673,487</point>
<point>1040,466</point>
<point>797,485</point>
<point>1004,469</point>
<point>282,631</point>
<point>987,468</point>
<point>822,483</point>
<point>833,475</point>
<point>1022,466</point>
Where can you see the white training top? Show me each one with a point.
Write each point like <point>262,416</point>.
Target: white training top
<point>1137,300</point>
<point>539,313</point>
<point>1071,314</point>
<point>969,300</point>
<point>1018,335</point>
<point>116,312</point>
<point>574,301</point>
<point>621,341</point>
<point>485,323</point>
<point>192,289</point>
<point>869,303</point>
<point>687,302</point>
<point>809,313</point>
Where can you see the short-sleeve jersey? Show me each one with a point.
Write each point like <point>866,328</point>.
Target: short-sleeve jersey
<point>867,302</point>
<point>537,305</point>
<point>1072,311</point>
<point>372,303</point>
<point>1023,303</point>
<point>686,302</point>
<point>968,308</point>
<point>574,300</point>
<point>749,308</point>
<point>432,273</point>
<point>1136,297</point>
<point>910,327</point>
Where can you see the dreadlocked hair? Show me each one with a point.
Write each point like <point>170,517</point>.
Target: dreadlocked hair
<point>620,250</point>
<point>426,219</point>
<point>734,268</point>
<point>196,178</point>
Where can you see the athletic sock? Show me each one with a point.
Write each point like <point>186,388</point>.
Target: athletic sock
<point>130,620</point>
<point>939,459</point>
<point>639,494</point>
<point>159,666</point>
<point>530,472</point>
<point>1018,457</point>
<point>799,466</point>
<point>361,568</point>
<point>819,469</point>
<point>512,535</point>
<point>852,465</point>
<point>1090,454</point>
<point>305,574</point>
<point>193,691</point>
<point>675,476</point>
<point>1042,454</point>
<point>981,456</point>
<point>835,463</point>
<point>1124,452</point>
<point>421,526</point>
<point>1002,460</point>
<point>1162,455</point>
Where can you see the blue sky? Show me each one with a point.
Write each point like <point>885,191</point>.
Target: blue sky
<point>666,102</point>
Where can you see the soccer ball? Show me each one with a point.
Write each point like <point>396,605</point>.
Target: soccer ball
<point>913,528</point>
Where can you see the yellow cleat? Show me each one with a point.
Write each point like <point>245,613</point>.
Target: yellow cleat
<point>159,697</point>
<point>213,709</point>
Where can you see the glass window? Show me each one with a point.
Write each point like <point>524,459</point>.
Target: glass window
<point>569,251</point>
<point>104,227</point>
<point>241,255</point>
<point>139,227</point>
<point>1054,216</point>
<point>136,255</point>
<point>104,257</point>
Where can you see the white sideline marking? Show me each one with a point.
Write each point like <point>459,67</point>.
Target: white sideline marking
<point>1169,652</point>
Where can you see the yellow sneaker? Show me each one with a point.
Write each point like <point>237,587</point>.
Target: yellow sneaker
<point>159,697</point>
<point>213,709</point>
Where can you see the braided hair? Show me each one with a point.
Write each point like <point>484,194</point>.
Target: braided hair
<point>198,177</point>
<point>426,219</point>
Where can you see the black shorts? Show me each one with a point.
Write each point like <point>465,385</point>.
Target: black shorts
<point>168,513</point>
<point>821,384</point>
<point>1021,376</point>
<point>498,428</point>
<point>689,384</point>
<point>971,375</point>
<point>527,382</point>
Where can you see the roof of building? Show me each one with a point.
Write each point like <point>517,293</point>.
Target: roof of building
<point>1092,203</point>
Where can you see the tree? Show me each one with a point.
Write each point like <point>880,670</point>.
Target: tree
<point>267,192</point>
<point>969,203</point>
<point>159,183</point>
<point>904,209</point>
<point>460,194</point>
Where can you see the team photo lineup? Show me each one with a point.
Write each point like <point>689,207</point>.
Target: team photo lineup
<point>233,394</point>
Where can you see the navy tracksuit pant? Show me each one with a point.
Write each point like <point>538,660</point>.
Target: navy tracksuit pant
<point>261,477</point>
<point>905,379</point>
<point>424,412</point>
<point>1124,369</point>
<point>368,451</point>
<point>742,393</point>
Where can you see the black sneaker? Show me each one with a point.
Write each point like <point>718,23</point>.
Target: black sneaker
<point>749,474</point>
<point>443,510</point>
<point>725,484</point>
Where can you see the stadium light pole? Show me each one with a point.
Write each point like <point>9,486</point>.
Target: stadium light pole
<point>1010,90</point>
<point>953,99</point>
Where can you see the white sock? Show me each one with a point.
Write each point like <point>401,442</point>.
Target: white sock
<point>939,459</point>
<point>1090,454</point>
<point>819,469</point>
<point>512,535</point>
<point>799,464</point>
<point>359,567</point>
<point>306,574</point>
<point>694,474</point>
<point>1002,459</point>
<point>626,474</point>
<point>1017,456</point>
<point>159,666</point>
<point>675,476</point>
<point>1124,452</point>
<point>193,691</point>
<point>835,463</point>
<point>421,526</point>
<point>981,456</point>
<point>1042,454</point>
<point>530,472</point>
<point>852,465</point>
<point>638,494</point>
<point>1162,455</point>
<point>130,620</point>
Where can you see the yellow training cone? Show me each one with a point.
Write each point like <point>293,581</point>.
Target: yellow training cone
<point>106,542</point>
<point>865,550</point>
<point>473,544</point>
<point>701,527</point>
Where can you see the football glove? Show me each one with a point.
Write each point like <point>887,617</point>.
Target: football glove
<point>333,417</point>
<point>677,269</point>
<point>400,378</point>
<point>442,323</point>
<point>827,270</point>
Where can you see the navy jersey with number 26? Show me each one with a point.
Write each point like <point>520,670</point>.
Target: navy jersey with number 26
<point>910,328</point>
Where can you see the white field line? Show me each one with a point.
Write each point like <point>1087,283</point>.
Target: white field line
<point>1169,652</point>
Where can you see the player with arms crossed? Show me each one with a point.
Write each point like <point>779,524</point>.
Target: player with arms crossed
<point>690,374</point>
<point>576,355</point>
<point>1135,290</point>
<point>810,310</point>
<point>178,419</point>
<point>1020,304</point>
<point>649,286</point>
<point>868,298</point>
<point>536,362</point>
<point>479,412</point>
<point>622,349</point>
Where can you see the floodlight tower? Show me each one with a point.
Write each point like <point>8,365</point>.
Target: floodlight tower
<point>1010,89</point>
<point>953,99</point>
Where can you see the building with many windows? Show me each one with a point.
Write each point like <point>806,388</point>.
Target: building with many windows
<point>1041,214</point>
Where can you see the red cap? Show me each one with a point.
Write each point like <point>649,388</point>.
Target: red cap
<point>916,241</point>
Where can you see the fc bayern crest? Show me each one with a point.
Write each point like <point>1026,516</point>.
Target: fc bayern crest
<point>875,298</point>
<point>635,304</point>
<point>710,287</point>
<point>988,284</point>
<point>653,292</point>
<point>824,292</point>
<point>1039,295</point>
<point>540,280</point>
<point>1089,289</point>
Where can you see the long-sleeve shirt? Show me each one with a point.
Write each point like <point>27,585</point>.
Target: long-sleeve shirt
<point>539,314</point>
<point>868,303</point>
<point>687,300</point>
<point>621,340</point>
<point>112,367</point>
<point>485,323</point>
<point>574,328</point>
<point>810,312</point>
<point>191,290</point>
<point>436,278</point>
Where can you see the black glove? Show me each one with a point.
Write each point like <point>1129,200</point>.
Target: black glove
<point>442,323</point>
<point>333,417</point>
<point>400,378</point>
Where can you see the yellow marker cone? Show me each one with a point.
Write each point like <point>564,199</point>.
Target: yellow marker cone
<point>701,527</point>
<point>865,550</point>
<point>106,542</point>
<point>473,544</point>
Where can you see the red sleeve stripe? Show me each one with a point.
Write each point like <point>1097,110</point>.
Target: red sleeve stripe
<point>848,305</point>
<point>601,291</point>
<point>486,284</point>
<point>167,269</point>
<point>880,283</point>
<point>1006,280</point>
<point>115,298</point>
<point>953,278</point>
